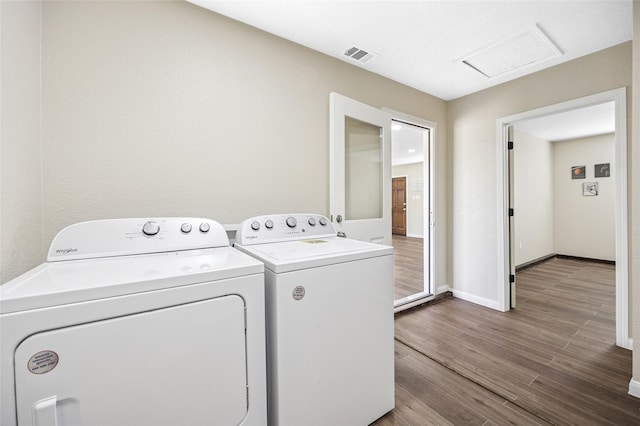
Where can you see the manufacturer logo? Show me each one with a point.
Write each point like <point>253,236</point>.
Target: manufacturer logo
<point>66,251</point>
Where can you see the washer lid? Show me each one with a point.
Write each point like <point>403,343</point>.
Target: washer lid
<point>303,254</point>
<point>59,283</point>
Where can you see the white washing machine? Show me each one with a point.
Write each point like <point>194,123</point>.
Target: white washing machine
<point>135,322</point>
<point>329,302</point>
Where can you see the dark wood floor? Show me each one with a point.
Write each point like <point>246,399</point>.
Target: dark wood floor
<point>408,261</point>
<point>553,360</point>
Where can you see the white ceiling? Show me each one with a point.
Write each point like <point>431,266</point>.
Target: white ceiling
<point>407,142</point>
<point>422,43</point>
<point>578,123</point>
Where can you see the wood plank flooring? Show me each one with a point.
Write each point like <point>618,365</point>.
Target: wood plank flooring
<point>408,266</point>
<point>553,360</point>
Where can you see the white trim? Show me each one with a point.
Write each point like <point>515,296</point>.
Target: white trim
<point>619,96</point>
<point>407,302</point>
<point>442,288</point>
<point>429,206</point>
<point>415,236</point>
<point>634,388</point>
<point>493,304</point>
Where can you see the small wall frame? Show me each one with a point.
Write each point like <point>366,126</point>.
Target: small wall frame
<point>578,172</point>
<point>590,189</point>
<point>602,170</point>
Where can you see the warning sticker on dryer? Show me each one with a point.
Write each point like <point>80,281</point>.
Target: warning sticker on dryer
<point>43,362</point>
<point>298,292</point>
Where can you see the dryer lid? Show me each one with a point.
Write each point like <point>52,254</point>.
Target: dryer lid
<point>59,283</point>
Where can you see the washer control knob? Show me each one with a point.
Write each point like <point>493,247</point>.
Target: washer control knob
<point>186,228</point>
<point>291,222</point>
<point>269,224</point>
<point>151,228</point>
<point>323,221</point>
<point>312,221</point>
<point>204,227</point>
<point>255,225</point>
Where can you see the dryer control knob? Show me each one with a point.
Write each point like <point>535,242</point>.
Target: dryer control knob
<point>204,227</point>
<point>312,221</point>
<point>151,228</point>
<point>323,221</point>
<point>186,228</point>
<point>255,225</point>
<point>269,224</point>
<point>291,222</point>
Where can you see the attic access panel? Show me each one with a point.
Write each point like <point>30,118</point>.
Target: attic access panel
<point>526,48</point>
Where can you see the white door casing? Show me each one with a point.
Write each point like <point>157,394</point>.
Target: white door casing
<point>622,250</point>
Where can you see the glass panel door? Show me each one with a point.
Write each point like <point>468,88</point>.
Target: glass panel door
<point>360,170</point>
<point>363,170</point>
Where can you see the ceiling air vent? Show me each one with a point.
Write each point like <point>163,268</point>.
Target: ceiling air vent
<point>359,55</point>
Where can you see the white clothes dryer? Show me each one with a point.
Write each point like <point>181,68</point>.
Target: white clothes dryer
<point>329,305</point>
<point>135,322</point>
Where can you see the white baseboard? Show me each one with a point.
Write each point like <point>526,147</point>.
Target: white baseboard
<point>493,304</point>
<point>415,236</point>
<point>442,288</point>
<point>634,388</point>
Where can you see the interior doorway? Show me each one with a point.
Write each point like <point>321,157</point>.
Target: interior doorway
<point>411,210</point>
<point>511,242</point>
<point>399,206</point>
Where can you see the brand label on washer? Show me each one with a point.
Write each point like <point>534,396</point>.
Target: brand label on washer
<point>43,362</point>
<point>298,292</point>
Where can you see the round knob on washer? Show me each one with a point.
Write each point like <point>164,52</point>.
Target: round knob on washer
<point>312,221</point>
<point>255,225</point>
<point>151,228</point>
<point>291,222</point>
<point>204,227</point>
<point>323,221</point>
<point>186,228</point>
<point>269,224</point>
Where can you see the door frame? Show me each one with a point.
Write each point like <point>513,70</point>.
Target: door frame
<point>619,97</point>
<point>429,210</point>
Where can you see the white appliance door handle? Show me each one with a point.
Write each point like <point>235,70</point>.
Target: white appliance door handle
<point>44,412</point>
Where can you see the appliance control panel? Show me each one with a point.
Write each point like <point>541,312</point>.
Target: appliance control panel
<point>283,227</point>
<point>119,237</point>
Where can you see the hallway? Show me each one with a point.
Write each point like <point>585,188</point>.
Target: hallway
<point>553,360</point>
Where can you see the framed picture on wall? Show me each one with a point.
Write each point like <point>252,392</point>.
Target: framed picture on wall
<point>578,172</point>
<point>590,188</point>
<point>602,170</point>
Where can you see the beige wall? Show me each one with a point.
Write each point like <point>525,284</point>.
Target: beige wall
<point>165,108</point>
<point>472,158</point>
<point>415,196</point>
<point>533,193</point>
<point>584,226</point>
<point>21,238</point>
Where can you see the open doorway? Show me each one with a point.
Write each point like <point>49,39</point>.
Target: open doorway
<point>579,184</point>
<point>411,208</point>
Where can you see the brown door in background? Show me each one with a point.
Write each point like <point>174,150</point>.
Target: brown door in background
<point>399,206</point>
